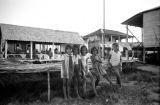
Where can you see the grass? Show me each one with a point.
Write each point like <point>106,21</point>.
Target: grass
<point>35,92</point>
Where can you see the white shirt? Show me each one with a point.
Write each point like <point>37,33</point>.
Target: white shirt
<point>115,58</point>
<point>84,59</point>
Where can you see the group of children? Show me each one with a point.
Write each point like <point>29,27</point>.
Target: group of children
<point>75,67</point>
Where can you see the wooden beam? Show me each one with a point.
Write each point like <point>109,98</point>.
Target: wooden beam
<point>31,50</point>
<point>6,48</point>
<point>127,33</point>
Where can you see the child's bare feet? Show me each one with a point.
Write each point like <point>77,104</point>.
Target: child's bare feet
<point>79,97</point>
<point>65,98</point>
<point>69,97</point>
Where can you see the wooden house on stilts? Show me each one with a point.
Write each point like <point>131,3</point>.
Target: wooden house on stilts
<point>149,22</point>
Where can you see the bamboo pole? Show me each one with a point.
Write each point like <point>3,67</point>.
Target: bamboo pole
<point>103,33</point>
<point>49,88</point>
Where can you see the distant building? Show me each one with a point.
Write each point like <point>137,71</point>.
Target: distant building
<point>149,21</point>
<point>110,36</point>
<point>20,40</point>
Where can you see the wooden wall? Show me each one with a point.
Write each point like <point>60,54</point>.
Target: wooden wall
<point>151,26</point>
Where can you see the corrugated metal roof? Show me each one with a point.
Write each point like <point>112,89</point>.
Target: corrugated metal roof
<point>22,33</point>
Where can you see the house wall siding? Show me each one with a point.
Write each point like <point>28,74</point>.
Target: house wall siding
<point>151,28</point>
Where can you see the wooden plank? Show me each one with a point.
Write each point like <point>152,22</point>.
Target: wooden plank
<point>29,68</point>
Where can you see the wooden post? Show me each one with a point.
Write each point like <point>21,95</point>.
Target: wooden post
<point>119,39</point>
<point>132,49</point>
<point>31,50</point>
<point>127,42</point>
<point>143,45</point>
<point>111,39</point>
<point>53,47</point>
<point>49,88</point>
<point>6,48</point>
<point>102,31</point>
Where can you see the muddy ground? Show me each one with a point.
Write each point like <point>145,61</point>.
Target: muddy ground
<point>138,88</point>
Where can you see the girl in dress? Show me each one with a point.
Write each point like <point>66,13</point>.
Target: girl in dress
<point>77,69</point>
<point>67,71</point>
<point>85,69</point>
<point>98,71</point>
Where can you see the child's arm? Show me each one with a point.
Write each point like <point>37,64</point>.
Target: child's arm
<point>98,59</point>
<point>109,58</point>
<point>82,66</point>
<point>121,62</point>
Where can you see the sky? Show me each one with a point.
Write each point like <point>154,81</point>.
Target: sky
<point>82,16</point>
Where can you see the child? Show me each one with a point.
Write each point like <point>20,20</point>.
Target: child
<point>115,62</point>
<point>98,71</point>
<point>85,69</point>
<point>107,56</point>
<point>67,71</point>
<point>77,69</point>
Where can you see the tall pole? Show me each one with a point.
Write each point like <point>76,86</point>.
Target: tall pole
<point>103,30</point>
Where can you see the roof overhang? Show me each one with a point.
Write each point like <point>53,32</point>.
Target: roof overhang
<point>137,20</point>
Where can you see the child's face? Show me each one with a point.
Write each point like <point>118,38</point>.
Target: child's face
<point>115,48</point>
<point>75,51</point>
<point>95,52</point>
<point>106,51</point>
<point>68,51</point>
<point>84,51</point>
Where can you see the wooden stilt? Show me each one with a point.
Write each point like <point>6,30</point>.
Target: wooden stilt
<point>49,91</point>
<point>143,46</point>
<point>127,43</point>
<point>6,48</point>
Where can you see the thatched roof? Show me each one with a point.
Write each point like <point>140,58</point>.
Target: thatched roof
<point>21,33</point>
<point>108,32</point>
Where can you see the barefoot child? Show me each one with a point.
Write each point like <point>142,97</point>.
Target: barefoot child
<point>85,70</point>
<point>77,69</point>
<point>67,71</point>
<point>115,62</point>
